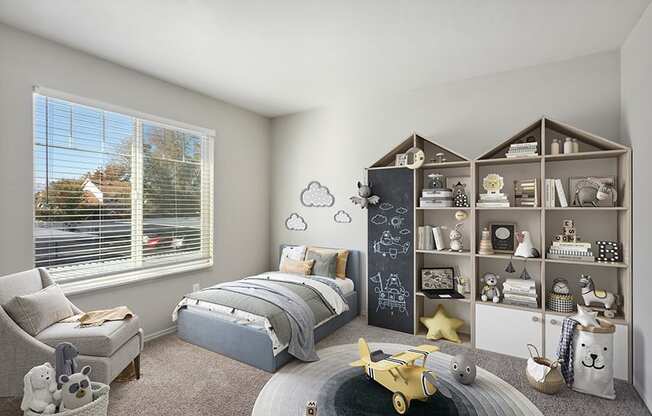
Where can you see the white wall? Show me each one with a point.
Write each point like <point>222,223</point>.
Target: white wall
<point>636,55</point>
<point>333,145</point>
<point>241,210</point>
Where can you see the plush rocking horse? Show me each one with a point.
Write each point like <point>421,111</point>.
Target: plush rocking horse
<point>592,295</point>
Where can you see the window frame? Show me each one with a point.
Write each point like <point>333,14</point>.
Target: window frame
<point>143,273</point>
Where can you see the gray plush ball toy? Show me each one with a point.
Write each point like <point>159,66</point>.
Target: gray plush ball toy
<point>462,368</point>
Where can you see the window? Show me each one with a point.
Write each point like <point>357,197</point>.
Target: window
<point>115,192</point>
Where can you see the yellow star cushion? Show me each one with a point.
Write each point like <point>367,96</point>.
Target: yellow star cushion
<point>441,326</point>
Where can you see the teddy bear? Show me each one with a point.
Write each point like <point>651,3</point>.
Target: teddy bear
<point>490,289</point>
<point>40,390</point>
<point>76,389</point>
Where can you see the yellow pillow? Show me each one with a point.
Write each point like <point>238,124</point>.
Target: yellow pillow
<point>303,267</point>
<point>342,257</point>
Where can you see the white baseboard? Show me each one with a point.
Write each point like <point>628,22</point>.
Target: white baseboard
<point>160,333</point>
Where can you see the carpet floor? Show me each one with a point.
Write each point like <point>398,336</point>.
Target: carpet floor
<point>181,379</point>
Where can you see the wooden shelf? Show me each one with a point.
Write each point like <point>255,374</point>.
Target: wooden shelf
<point>443,208</point>
<point>586,209</point>
<point>462,300</point>
<point>619,319</point>
<point>452,164</point>
<point>466,338</point>
<point>502,256</point>
<point>589,263</point>
<point>444,252</point>
<point>508,161</point>
<point>508,209</point>
<point>507,306</point>
<point>600,154</point>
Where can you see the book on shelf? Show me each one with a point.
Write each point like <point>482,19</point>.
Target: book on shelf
<point>570,246</point>
<point>572,257</point>
<point>533,304</point>
<point>519,291</point>
<point>520,298</point>
<point>560,193</point>
<point>550,193</point>
<point>492,204</point>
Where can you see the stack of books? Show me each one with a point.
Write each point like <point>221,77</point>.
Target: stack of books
<point>522,150</point>
<point>554,187</point>
<point>526,193</point>
<point>520,292</point>
<point>497,200</point>
<point>425,238</point>
<point>577,251</point>
<point>436,198</point>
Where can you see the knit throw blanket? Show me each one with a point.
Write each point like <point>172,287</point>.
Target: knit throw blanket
<point>565,350</point>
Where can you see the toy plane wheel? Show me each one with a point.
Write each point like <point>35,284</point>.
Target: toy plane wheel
<point>400,404</point>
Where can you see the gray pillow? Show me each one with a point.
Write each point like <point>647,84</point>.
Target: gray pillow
<point>37,311</point>
<point>325,263</point>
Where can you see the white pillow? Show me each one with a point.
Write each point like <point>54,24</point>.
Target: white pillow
<point>296,253</point>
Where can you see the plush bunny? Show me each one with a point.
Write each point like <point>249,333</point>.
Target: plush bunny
<point>65,360</point>
<point>40,386</point>
<point>76,389</point>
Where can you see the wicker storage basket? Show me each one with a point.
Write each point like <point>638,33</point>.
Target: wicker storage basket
<point>98,407</point>
<point>560,303</point>
<point>553,381</point>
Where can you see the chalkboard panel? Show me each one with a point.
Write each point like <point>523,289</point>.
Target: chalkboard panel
<point>390,284</point>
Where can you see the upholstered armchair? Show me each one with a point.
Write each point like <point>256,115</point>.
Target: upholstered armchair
<point>108,348</point>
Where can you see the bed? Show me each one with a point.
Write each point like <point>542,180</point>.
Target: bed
<point>207,327</point>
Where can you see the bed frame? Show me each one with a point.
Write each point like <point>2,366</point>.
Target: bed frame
<point>252,346</point>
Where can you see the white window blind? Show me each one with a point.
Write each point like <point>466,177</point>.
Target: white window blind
<point>114,192</point>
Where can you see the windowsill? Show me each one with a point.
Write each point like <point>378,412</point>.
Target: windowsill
<point>131,277</point>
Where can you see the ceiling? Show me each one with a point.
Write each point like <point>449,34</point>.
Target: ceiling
<point>284,56</point>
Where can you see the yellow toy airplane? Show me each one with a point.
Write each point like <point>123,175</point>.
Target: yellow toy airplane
<point>400,375</point>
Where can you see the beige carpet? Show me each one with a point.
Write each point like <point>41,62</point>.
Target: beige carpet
<point>182,379</point>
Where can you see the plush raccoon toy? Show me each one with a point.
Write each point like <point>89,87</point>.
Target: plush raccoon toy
<point>75,389</point>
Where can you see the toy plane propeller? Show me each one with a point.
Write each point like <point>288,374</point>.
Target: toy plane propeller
<point>399,374</point>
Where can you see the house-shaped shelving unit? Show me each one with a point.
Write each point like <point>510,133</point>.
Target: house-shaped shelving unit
<point>507,328</point>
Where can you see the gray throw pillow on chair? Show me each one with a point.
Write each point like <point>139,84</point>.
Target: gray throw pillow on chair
<point>37,311</point>
<point>325,263</point>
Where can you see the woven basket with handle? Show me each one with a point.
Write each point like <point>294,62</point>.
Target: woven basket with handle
<point>553,381</point>
<point>98,407</point>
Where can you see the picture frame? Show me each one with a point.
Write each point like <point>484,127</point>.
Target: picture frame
<point>576,182</point>
<point>401,159</point>
<point>503,237</point>
<point>437,278</point>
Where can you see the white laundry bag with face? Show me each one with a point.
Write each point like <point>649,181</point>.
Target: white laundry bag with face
<point>594,360</point>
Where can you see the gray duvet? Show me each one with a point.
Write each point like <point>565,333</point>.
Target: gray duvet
<point>292,309</point>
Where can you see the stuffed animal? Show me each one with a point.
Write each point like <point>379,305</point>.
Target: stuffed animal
<point>490,289</point>
<point>365,197</point>
<point>65,355</point>
<point>463,369</point>
<point>76,389</point>
<point>40,386</point>
<point>456,238</point>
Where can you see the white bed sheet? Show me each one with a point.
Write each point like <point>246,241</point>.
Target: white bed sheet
<point>346,285</point>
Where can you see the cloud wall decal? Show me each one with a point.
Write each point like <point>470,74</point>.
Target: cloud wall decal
<point>295,222</point>
<point>342,217</point>
<point>317,195</point>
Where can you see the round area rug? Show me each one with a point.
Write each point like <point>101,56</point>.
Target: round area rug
<point>340,390</point>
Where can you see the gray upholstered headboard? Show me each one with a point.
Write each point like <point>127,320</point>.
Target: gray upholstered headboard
<point>353,267</point>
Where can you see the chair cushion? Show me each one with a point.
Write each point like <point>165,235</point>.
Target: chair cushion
<point>19,284</point>
<point>37,311</point>
<point>98,341</point>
